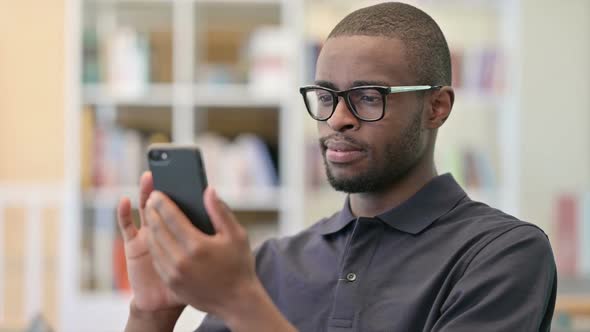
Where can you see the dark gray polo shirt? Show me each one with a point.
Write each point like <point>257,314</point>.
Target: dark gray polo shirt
<point>438,262</point>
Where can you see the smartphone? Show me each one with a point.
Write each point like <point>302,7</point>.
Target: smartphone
<point>178,172</point>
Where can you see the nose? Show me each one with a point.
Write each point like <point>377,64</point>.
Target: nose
<point>343,119</point>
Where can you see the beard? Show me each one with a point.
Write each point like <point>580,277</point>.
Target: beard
<point>399,158</point>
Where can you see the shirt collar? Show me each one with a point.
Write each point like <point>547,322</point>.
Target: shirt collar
<point>431,202</point>
<point>338,221</point>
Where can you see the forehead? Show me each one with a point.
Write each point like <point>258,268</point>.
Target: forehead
<point>346,59</point>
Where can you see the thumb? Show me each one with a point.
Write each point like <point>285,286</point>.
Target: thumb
<point>222,218</point>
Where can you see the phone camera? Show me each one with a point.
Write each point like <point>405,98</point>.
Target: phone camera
<point>156,155</point>
<point>164,156</point>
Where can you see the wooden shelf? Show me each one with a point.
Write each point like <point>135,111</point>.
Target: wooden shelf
<point>574,305</point>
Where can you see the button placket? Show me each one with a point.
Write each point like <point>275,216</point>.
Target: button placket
<point>358,254</point>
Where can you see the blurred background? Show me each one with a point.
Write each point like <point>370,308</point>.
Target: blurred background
<point>86,85</point>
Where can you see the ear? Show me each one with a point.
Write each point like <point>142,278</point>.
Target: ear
<point>441,103</point>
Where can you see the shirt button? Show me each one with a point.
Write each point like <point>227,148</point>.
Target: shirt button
<point>351,277</point>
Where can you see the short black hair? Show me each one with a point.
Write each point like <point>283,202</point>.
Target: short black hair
<point>426,47</point>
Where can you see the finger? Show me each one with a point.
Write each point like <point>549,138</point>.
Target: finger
<point>125,220</point>
<point>160,233</point>
<point>177,222</point>
<point>159,259</point>
<point>221,216</point>
<point>146,186</point>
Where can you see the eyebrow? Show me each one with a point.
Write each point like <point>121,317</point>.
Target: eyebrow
<point>330,85</point>
<point>362,83</point>
<point>326,84</point>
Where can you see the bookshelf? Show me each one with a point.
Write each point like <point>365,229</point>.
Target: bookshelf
<point>181,71</point>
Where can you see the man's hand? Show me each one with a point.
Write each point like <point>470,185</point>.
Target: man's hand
<point>172,263</point>
<point>208,272</point>
<point>213,273</point>
<point>151,297</point>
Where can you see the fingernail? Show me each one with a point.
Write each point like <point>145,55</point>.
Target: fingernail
<point>151,199</point>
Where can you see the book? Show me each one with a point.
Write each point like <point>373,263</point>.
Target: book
<point>239,165</point>
<point>478,69</point>
<point>103,239</point>
<point>87,276</point>
<point>91,56</point>
<point>127,63</point>
<point>268,49</point>
<point>161,57</point>
<point>457,67</point>
<point>567,245</point>
<point>120,276</point>
<point>118,154</point>
<point>87,134</point>
<point>584,234</point>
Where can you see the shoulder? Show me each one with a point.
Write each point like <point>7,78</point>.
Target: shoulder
<point>473,231</point>
<point>505,268</point>
<point>522,246</point>
<point>479,223</point>
<point>490,232</point>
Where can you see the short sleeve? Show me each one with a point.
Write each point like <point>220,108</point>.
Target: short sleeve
<point>509,285</point>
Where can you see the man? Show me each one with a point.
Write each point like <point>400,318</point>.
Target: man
<point>409,251</point>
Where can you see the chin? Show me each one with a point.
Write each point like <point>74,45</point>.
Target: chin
<point>350,181</point>
<point>340,172</point>
<point>350,186</point>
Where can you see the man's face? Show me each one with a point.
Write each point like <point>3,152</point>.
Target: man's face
<point>369,156</point>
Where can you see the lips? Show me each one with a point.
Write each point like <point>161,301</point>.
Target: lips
<point>342,152</point>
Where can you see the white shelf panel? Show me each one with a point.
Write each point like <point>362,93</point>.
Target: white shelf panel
<point>199,95</point>
<point>154,95</point>
<point>232,95</point>
<point>246,199</point>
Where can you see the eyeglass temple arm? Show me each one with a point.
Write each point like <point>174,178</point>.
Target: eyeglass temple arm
<point>397,89</point>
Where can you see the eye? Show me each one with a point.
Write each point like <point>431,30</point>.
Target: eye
<point>367,97</point>
<point>370,99</point>
<point>324,98</point>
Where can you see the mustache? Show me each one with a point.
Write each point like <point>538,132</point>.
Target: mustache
<point>341,137</point>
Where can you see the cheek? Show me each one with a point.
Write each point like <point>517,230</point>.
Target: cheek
<point>387,134</point>
<point>378,136</point>
<point>322,128</point>
<point>403,118</point>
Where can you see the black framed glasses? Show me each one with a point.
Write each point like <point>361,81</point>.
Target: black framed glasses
<point>367,103</point>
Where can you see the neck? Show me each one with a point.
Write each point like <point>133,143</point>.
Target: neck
<point>375,203</point>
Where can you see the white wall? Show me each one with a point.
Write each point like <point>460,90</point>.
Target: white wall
<point>555,109</point>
